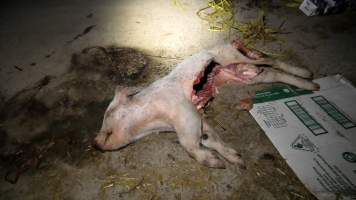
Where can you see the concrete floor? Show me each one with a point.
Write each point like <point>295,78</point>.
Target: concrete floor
<point>39,39</point>
<point>31,31</point>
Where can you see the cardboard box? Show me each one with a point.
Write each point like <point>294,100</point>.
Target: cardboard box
<point>323,7</point>
<point>315,132</point>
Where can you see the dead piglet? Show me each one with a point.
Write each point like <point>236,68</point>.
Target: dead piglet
<point>172,102</point>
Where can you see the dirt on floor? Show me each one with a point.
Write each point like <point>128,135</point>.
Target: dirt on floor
<point>47,129</point>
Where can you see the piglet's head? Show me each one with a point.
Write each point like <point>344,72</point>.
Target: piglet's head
<point>114,132</point>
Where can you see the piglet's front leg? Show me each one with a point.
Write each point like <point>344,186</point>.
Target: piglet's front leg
<point>187,123</point>
<point>272,75</point>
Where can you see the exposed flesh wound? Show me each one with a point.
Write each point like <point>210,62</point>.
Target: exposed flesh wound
<point>214,75</point>
<point>204,87</point>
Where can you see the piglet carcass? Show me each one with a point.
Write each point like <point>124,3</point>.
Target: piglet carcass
<point>172,102</point>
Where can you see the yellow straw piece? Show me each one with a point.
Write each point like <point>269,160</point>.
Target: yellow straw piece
<point>107,186</point>
<point>219,15</point>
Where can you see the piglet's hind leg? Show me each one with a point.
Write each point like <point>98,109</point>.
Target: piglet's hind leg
<point>271,75</point>
<point>298,71</point>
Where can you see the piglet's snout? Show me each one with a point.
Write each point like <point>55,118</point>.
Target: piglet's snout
<point>97,143</point>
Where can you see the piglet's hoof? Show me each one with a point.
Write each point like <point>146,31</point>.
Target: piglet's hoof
<point>214,163</point>
<point>246,104</point>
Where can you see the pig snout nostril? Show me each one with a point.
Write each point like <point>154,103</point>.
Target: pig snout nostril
<point>96,146</point>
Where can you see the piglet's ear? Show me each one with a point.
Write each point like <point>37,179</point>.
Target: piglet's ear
<point>121,93</point>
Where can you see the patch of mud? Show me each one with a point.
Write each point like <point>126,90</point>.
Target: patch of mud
<point>65,110</point>
<point>118,64</point>
<point>93,75</point>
